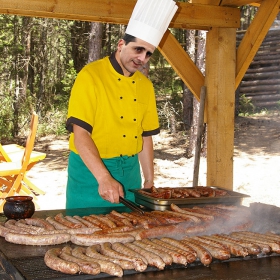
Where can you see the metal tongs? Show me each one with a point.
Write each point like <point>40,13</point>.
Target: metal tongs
<point>131,205</point>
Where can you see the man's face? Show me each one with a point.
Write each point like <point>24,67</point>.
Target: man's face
<point>134,55</point>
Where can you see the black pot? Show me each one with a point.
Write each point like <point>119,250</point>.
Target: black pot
<point>19,207</point>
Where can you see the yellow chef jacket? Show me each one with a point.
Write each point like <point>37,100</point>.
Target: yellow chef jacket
<point>116,110</point>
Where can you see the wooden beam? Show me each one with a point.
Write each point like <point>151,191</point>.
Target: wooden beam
<point>220,100</point>
<point>181,63</point>
<point>192,16</point>
<point>238,3</point>
<point>254,37</point>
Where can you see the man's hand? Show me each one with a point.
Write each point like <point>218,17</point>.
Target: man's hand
<point>110,189</point>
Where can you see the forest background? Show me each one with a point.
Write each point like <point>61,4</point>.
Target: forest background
<point>41,58</point>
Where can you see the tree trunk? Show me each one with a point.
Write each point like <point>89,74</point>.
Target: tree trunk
<point>26,39</point>
<point>15,89</point>
<point>200,62</point>
<point>79,37</point>
<point>95,41</point>
<point>187,94</point>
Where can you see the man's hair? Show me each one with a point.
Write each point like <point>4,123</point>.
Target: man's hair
<point>128,38</point>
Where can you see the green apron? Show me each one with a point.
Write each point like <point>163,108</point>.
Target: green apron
<point>82,187</point>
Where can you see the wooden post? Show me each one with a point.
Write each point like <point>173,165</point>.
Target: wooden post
<point>200,130</point>
<point>220,100</point>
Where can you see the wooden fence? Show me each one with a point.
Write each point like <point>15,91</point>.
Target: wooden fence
<point>261,83</point>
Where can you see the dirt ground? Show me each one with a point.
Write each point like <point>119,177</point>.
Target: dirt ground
<point>256,163</point>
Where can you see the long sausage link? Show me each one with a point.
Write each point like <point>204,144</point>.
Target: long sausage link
<point>85,222</point>
<point>234,248</point>
<point>94,252</point>
<point>40,223</point>
<point>178,257</point>
<point>189,256</point>
<point>96,222</point>
<point>104,220</point>
<point>60,219</point>
<point>140,263</point>
<point>216,252</point>
<point>253,249</point>
<point>11,224</point>
<point>152,258</point>
<point>118,215</point>
<point>56,224</point>
<point>105,265</point>
<point>53,261</point>
<point>86,267</point>
<point>107,250</point>
<point>31,239</point>
<point>189,251</point>
<point>29,228</point>
<point>266,246</point>
<point>203,254</point>
<point>74,221</point>
<point>150,246</point>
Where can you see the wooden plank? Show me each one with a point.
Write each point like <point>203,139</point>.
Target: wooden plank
<point>181,63</point>
<point>254,36</point>
<point>220,100</point>
<point>193,16</point>
<point>238,3</point>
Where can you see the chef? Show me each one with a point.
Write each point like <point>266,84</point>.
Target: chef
<point>112,115</point>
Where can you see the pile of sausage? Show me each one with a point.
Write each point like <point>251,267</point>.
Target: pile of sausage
<point>123,227</point>
<point>195,192</point>
<point>114,258</point>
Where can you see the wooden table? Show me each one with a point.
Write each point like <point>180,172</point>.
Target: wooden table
<point>15,153</point>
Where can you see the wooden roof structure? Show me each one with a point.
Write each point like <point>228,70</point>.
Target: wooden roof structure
<point>225,66</point>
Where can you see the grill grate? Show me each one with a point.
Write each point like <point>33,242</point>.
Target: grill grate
<point>34,268</point>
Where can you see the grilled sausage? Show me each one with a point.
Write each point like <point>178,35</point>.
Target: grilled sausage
<point>168,217</point>
<point>56,224</point>
<point>185,216</point>
<point>74,221</point>
<point>266,245</point>
<point>252,248</point>
<point>105,266</point>
<point>92,239</point>
<point>85,222</point>
<point>107,250</point>
<point>86,267</point>
<point>104,220</point>
<point>216,252</point>
<point>235,249</point>
<point>31,239</point>
<point>123,248</point>
<point>11,224</point>
<point>140,263</point>
<point>188,251</point>
<point>29,228</point>
<point>152,258</point>
<point>96,222</point>
<point>4,230</point>
<point>177,257</point>
<point>160,231</point>
<point>173,248</point>
<point>115,229</point>
<point>39,223</point>
<point>203,254</point>
<point>54,262</point>
<point>60,219</point>
<point>93,251</point>
<point>204,217</point>
<point>151,247</point>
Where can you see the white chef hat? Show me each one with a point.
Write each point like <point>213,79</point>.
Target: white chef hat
<point>150,19</point>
